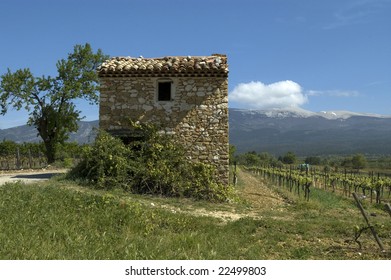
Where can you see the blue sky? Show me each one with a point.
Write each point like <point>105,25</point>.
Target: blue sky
<point>317,55</point>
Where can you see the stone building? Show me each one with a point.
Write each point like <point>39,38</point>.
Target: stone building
<point>186,96</point>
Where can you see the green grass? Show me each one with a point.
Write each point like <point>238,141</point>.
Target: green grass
<point>61,220</point>
<point>324,227</point>
<point>51,222</point>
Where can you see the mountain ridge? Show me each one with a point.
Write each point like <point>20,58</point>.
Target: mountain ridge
<point>299,112</point>
<point>276,131</point>
<point>308,133</point>
<point>25,133</point>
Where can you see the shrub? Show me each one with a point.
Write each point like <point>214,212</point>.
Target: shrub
<point>105,164</point>
<point>154,165</point>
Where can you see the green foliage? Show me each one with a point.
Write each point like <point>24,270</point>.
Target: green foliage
<point>313,160</point>
<point>69,150</point>
<point>253,159</point>
<point>30,155</point>
<point>50,100</point>
<point>382,162</point>
<point>359,161</point>
<point>9,148</point>
<point>232,150</point>
<point>289,158</point>
<point>154,165</point>
<point>105,164</point>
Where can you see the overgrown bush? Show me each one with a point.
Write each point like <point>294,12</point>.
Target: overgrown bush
<point>154,165</point>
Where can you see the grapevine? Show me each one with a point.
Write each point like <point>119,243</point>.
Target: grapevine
<point>298,181</point>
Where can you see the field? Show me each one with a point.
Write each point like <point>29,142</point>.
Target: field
<point>59,219</point>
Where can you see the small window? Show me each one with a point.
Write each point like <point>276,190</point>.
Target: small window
<point>164,91</point>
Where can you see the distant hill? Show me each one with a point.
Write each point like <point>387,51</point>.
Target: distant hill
<point>308,133</point>
<point>277,132</point>
<point>25,133</point>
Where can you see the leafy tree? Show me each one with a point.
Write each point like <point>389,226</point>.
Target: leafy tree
<point>265,157</point>
<point>359,161</point>
<point>268,159</point>
<point>232,150</point>
<point>251,159</point>
<point>347,162</point>
<point>8,148</point>
<point>289,158</point>
<point>50,100</point>
<point>312,160</point>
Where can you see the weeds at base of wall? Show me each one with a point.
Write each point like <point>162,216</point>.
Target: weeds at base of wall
<point>155,165</point>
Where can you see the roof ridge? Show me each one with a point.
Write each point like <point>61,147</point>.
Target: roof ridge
<point>215,65</point>
<point>169,56</point>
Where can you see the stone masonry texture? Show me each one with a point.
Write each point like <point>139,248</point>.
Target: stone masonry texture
<point>196,114</point>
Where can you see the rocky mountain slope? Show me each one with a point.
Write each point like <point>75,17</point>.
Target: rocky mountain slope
<point>277,132</point>
<point>25,133</point>
<point>309,133</point>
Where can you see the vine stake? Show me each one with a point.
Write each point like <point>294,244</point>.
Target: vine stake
<point>388,208</point>
<point>379,242</point>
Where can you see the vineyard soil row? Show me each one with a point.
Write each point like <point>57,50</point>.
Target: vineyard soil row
<point>374,189</point>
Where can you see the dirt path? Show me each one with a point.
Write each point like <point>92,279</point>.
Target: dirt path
<point>29,176</point>
<point>260,196</point>
<point>254,192</point>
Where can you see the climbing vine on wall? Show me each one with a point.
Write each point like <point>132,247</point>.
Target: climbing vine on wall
<point>154,164</point>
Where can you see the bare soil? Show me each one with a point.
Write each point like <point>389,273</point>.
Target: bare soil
<point>259,195</point>
<point>256,195</point>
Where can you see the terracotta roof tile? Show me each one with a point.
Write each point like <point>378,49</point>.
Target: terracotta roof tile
<point>214,65</point>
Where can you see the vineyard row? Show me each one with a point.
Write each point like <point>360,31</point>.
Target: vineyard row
<point>375,188</point>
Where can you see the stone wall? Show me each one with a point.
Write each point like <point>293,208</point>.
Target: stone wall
<point>197,114</point>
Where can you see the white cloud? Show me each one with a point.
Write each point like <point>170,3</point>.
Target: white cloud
<point>257,95</point>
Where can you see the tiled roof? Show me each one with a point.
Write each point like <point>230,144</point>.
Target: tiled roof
<point>214,65</point>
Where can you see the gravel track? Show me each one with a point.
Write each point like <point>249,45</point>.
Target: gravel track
<point>29,176</point>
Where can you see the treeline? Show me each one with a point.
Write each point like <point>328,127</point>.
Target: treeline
<point>32,155</point>
<point>11,148</point>
<point>338,174</point>
<point>335,163</point>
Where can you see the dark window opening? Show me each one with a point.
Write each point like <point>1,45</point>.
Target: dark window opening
<point>164,93</point>
<point>130,137</point>
<point>127,140</point>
